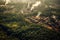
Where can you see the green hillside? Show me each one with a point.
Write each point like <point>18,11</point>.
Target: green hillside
<point>17,22</point>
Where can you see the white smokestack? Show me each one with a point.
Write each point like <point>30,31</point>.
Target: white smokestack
<point>35,5</point>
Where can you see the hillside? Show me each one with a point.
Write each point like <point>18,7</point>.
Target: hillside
<point>18,22</point>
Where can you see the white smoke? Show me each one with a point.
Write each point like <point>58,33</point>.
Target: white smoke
<point>28,6</point>
<point>7,1</point>
<point>35,5</point>
<point>39,13</point>
<point>53,16</point>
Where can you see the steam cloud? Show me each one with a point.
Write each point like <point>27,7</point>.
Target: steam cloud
<point>35,5</point>
<point>7,1</point>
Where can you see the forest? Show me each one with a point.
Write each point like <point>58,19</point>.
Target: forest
<point>29,19</point>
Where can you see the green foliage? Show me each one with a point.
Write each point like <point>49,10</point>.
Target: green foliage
<point>15,21</point>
